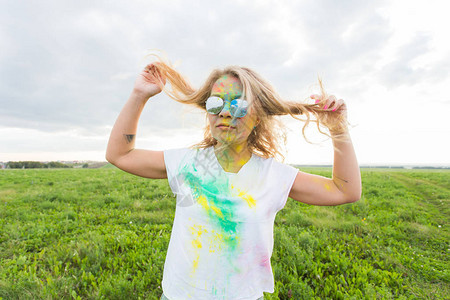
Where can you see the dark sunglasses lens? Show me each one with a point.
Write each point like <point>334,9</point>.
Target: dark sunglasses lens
<point>214,105</point>
<point>238,108</point>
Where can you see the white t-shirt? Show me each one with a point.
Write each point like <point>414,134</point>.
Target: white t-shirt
<point>222,235</point>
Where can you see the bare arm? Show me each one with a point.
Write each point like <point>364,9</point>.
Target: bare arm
<point>120,151</point>
<point>343,187</point>
<point>345,184</point>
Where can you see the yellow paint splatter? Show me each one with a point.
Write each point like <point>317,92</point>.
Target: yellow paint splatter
<point>249,199</point>
<point>215,241</point>
<point>327,187</point>
<point>195,263</point>
<point>217,211</point>
<point>197,231</point>
<point>251,202</point>
<point>239,148</point>
<point>242,162</point>
<point>203,201</point>
<point>196,244</point>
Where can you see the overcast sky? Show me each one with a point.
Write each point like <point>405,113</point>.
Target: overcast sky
<point>67,68</point>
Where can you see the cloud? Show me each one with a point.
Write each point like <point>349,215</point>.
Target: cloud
<point>411,64</point>
<point>400,70</point>
<point>68,64</point>
<point>68,67</point>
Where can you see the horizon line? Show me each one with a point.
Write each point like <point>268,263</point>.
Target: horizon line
<point>362,165</point>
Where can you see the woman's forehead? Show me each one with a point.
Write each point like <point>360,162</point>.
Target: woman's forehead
<point>227,85</point>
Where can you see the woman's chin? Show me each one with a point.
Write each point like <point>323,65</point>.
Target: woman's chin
<point>228,138</point>
<point>229,143</point>
<point>225,142</point>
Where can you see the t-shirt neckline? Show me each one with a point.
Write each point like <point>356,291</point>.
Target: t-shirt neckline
<point>213,153</point>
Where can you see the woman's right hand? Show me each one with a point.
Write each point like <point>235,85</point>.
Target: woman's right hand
<point>149,82</point>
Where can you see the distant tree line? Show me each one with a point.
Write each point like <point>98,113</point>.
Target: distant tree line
<point>35,165</point>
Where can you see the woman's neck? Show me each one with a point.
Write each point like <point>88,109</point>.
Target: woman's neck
<point>232,156</point>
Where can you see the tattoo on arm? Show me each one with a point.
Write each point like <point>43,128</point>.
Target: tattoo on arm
<point>129,137</point>
<point>346,181</point>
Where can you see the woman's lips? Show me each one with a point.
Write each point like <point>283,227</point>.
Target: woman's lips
<point>225,126</point>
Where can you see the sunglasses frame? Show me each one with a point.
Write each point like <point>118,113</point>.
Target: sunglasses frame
<point>221,107</point>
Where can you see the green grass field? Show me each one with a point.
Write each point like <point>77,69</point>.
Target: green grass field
<point>103,234</point>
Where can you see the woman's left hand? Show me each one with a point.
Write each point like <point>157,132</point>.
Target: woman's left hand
<point>335,112</point>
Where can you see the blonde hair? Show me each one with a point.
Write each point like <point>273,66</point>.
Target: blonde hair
<point>264,100</point>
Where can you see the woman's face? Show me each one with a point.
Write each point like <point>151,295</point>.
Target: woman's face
<point>225,128</point>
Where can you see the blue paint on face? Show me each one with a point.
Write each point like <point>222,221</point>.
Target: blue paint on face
<point>227,106</point>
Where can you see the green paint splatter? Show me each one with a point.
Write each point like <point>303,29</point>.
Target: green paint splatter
<point>213,193</point>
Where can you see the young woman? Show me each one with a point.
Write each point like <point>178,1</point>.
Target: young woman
<point>229,187</point>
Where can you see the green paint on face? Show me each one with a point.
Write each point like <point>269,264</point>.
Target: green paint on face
<point>227,88</point>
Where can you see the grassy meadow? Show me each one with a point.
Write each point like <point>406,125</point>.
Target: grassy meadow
<point>103,234</point>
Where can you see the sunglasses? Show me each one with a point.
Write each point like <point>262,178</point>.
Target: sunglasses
<point>237,107</point>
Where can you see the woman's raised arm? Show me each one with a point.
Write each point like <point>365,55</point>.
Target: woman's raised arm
<point>345,185</point>
<point>120,151</point>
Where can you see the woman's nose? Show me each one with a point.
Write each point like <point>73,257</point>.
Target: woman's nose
<point>225,113</point>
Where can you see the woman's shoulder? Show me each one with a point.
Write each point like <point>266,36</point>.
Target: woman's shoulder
<point>176,155</point>
<point>187,153</point>
<point>273,164</point>
<point>191,149</point>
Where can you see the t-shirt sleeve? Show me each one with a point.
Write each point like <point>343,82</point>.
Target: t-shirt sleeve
<point>285,176</point>
<point>173,158</point>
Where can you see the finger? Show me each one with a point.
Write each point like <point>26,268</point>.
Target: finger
<point>325,104</point>
<point>157,74</point>
<point>148,67</point>
<point>329,102</point>
<point>337,104</point>
<point>316,98</point>
<point>150,74</point>
<point>151,68</point>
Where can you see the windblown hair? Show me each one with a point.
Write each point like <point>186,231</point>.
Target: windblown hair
<point>264,101</point>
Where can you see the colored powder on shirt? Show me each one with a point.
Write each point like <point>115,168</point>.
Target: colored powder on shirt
<point>220,201</point>
<point>243,195</point>
<point>211,193</point>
